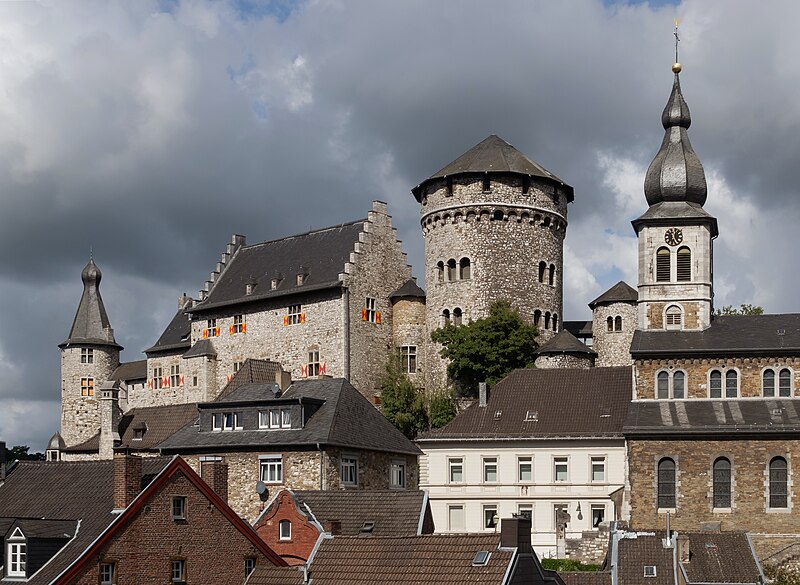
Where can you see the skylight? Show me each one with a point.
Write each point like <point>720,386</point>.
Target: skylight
<point>481,558</point>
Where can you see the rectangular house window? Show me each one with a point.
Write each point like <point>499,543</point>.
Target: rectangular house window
<point>158,378</point>
<point>397,473</point>
<point>598,515</point>
<point>17,559</point>
<point>560,469</point>
<point>490,519</point>
<point>408,354</point>
<point>270,468</point>
<point>490,469</point>
<point>349,470</point>
<point>211,329</point>
<point>294,315</point>
<point>455,518</point>
<point>525,466</point>
<point>178,571</point>
<point>456,469</point>
<point>313,363</point>
<point>249,566</point>
<point>87,355</point>
<point>175,378</point>
<point>87,386</point>
<point>598,469</point>
<point>370,312</point>
<point>179,507</point>
<point>239,325</point>
<point>108,573</point>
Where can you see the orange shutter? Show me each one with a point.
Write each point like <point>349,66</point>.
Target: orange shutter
<point>165,382</point>
<point>150,383</point>
<point>302,317</point>
<point>285,320</point>
<point>378,317</point>
<point>363,314</point>
<point>229,377</point>
<point>216,332</point>
<point>205,333</point>
<point>244,327</point>
<point>181,379</point>
<point>231,329</point>
<point>304,371</point>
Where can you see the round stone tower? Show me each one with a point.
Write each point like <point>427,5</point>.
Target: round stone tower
<point>494,223</point>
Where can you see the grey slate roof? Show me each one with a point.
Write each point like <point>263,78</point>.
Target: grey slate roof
<point>91,325</point>
<point>727,335</point>
<point>494,155</point>
<point>320,254</point>
<point>131,371</point>
<point>724,416</point>
<point>564,342</point>
<point>252,371</point>
<point>619,293</point>
<point>394,512</point>
<point>578,328</point>
<point>202,347</point>
<point>345,419</point>
<point>56,442</point>
<point>90,445</point>
<point>666,212</point>
<point>565,403</point>
<point>175,336</point>
<point>41,528</point>
<point>410,288</point>
<point>74,491</point>
<point>160,423</point>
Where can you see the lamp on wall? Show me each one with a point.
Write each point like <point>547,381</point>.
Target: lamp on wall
<point>580,514</point>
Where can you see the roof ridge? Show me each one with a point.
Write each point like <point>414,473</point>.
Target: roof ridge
<point>308,233</point>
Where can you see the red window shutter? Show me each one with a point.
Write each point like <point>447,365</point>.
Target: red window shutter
<point>231,329</point>
<point>322,368</point>
<point>205,333</point>
<point>216,332</point>
<point>378,317</point>
<point>304,371</point>
<point>229,377</point>
<point>181,379</point>
<point>149,383</point>
<point>165,382</point>
<point>302,317</point>
<point>244,327</point>
<point>363,314</point>
<point>285,320</point>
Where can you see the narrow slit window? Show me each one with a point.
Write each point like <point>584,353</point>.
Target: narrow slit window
<point>722,483</point>
<point>663,385</point>
<point>684,264</point>
<point>778,483</point>
<point>666,483</point>
<point>715,384</point>
<point>731,384</point>
<point>662,265</point>
<point>785,383</point>
<point>768,383</point>
<point>542,269</point>
<point>679,385</point>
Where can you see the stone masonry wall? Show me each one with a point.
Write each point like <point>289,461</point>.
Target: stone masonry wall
<point>169,394</point>
<point>563,361</point>
<point>408,328</point>
<point>697,374</point>
<point>466,222</point>
<point>613,347</point>
<point>692,314</point>
<point>214,550</point>
<point>80,415</point>
<point>694,459</point>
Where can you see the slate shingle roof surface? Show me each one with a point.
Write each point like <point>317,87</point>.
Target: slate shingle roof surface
<point>346,419</point>
<point>91,325</point>
<point>666,212</point>
<point>394,512</point>
<point>430,558</point>
<point>578,328</point>
<point>71,491</point>
<point>721,557</point>
<point>410,288</point>
<point>728,334</point>
<point>38,528</point>
<point>713,416</point>
<point>90,445</point>
<point>252,371</point>
<point>161,422</point>
<point>567,403</point>
<point>202,347</point>
<point>494,155</point>
<point>619,293</point>
<point>175,336</point>
<point>321,254</point>
<point>131,371</point>
<point>565,342</point>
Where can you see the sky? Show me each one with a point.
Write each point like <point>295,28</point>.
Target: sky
<point>150,131</point>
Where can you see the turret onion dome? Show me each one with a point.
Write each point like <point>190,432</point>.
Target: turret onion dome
<point>91,325</point>
<point>56,443</point>
<point>676,173</point>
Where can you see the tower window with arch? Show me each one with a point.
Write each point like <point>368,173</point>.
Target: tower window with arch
<point>547,320</point>
<point>684,271</point>
<point>542,270</point>
<point>551,275</point>
<point>446,317</point>
<point>610,324</point>
<point>673,318</point>
<point>662,264</point>
<point>440,271</point>
<point>778,483</point>
<point>457,316</point>
<point>671,385</point>
<point>721,474</point>
<point>784,383</point>
<point>451,270</point>
<point>537,317</point>
<point>715,383</point>
<point>555,321</point>
<point>465,269</point>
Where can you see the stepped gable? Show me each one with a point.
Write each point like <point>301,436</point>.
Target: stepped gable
<point>394,512</point>
<point>619,293</point>
<point>344,418</point>
<point>253,371</point>
<point>565,343</point>
<point>176,336</point>
<point>547,403</point>
<point>410,289</point>
<point>493,155</point>
<point>320,255</point>
<point>741,335</point>
<point>69,491</point>
<point>91,325</point>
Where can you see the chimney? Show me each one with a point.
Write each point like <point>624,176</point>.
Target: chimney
<point>215,474</point>
<point>516,533</point>
<point>683,548</point>
<point>127,479</point>
<point>2,461</point>
<point>483,394</point>
<point>109,419</point>
<point>333,527</point>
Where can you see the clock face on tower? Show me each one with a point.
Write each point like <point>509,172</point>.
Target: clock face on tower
<point>673,236</point>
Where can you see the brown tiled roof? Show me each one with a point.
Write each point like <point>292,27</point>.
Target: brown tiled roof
<point>561,403</point>
<point>161,422</point>
<point>586,577</point>
<point>430,558</point>
<point>73,491</point>
<point>636,553</point>
<point>720,557</point>
<point>394,512</point>
<point>253,371</point>
<point>265,574</point>
<point>131,371</point>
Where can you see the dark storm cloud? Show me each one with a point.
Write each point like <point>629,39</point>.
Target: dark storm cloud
<point>151,132</point>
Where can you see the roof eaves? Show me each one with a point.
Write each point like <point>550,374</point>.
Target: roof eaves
<point>204,306</point>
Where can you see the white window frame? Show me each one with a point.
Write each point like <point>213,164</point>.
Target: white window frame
<point>249,566</point>
<point>87,355</point>
<point>313,363</point>
<point>238,324</point>
<point>216,421</point>
<point>371,307</point>
<point>17,556</point>
<point>649,571</point>
<point>158,377</point>
<point>524,461</point>
<point>557,461</point>
<point>231,421</point>
<point>286,418</point>
<point>178,510</point>
<point>175,375</point>
<point>270,468</point>
<point>450,509</point>
<point>211,328</point>
<point>601,460</point>
<point>348,470</point>
<point>487,464</point>
<point>408,355</point>
<point>397,474</point>
<point>724,382</point>
<point>294,314</point>
<point>108,573</point>
<point>592,508</point>
<point>178,570</point>
<point>285,530</point>
<point>485,520</point>
<point>673,321</point>
<point>457,462</point>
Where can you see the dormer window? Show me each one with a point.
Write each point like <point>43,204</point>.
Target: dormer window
<point>138,431</point>
<point>301,278</point>
<point>275,283</point>
<point>17,554</point>
<point>226,421</point>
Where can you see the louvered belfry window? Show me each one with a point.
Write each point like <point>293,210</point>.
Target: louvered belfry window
<point>722,483</point>
<point>684,264</point>
<point>662,265</point>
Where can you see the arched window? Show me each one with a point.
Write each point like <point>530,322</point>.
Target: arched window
<point>547,320</point>
<point>785,383</point>
<point>465,269</point>
<point>715,384</point>
<point>666,483</point>
<point>446,316</point>
<point>555,322</point>
<point>768,383</point>
<point>731,384</point>
<point>778,483</point>
<point>551,277</point>
<point>722,483</point>
<point>537,317</point>
<point>684,264</point>
<point>662,384</point>
<point>673,317</point>
<point>610,324</point>
<point>618,323</point>
<point>542,268</point>
<point>497,215</point>
<point>662,265</point>
<point>487,186</point>
<point>457,316</point>
<point>678,385</point>
<point>440,271</point>
<point>451,269</point>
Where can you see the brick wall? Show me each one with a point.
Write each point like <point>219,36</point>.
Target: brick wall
<point>304,534</point>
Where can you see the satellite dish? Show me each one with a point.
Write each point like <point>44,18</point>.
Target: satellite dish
<point>261,488</point>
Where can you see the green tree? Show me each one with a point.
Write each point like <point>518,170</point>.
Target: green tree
<point>486,350</point>
<point>744,309</point>
<point>441,408</point>
<point>402,402</point>
<point>21,452</point>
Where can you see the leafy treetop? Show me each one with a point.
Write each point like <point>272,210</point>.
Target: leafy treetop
<point>744,309</point>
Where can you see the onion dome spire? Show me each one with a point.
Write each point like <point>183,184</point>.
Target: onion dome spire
<point>676,174</point>
<point>91,325</point>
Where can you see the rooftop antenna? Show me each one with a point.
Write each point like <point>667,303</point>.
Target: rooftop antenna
<point>676,67</point>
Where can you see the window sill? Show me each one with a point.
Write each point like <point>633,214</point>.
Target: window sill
<point>667,510</point>
<point>721,510</point>
<point>786,510</point>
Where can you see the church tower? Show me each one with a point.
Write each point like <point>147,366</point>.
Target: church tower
<point>88,358</point>
<point>675,234</point>
<point>494,223</point>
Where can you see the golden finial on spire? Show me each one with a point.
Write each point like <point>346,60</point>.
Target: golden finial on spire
<point>676,66</point>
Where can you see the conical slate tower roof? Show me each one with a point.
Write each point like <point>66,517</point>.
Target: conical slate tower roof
<point>676,173</point>
<point>494,155</point>
<point>619,293</point>
<point>91,325</point>
<point>565,342</point>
